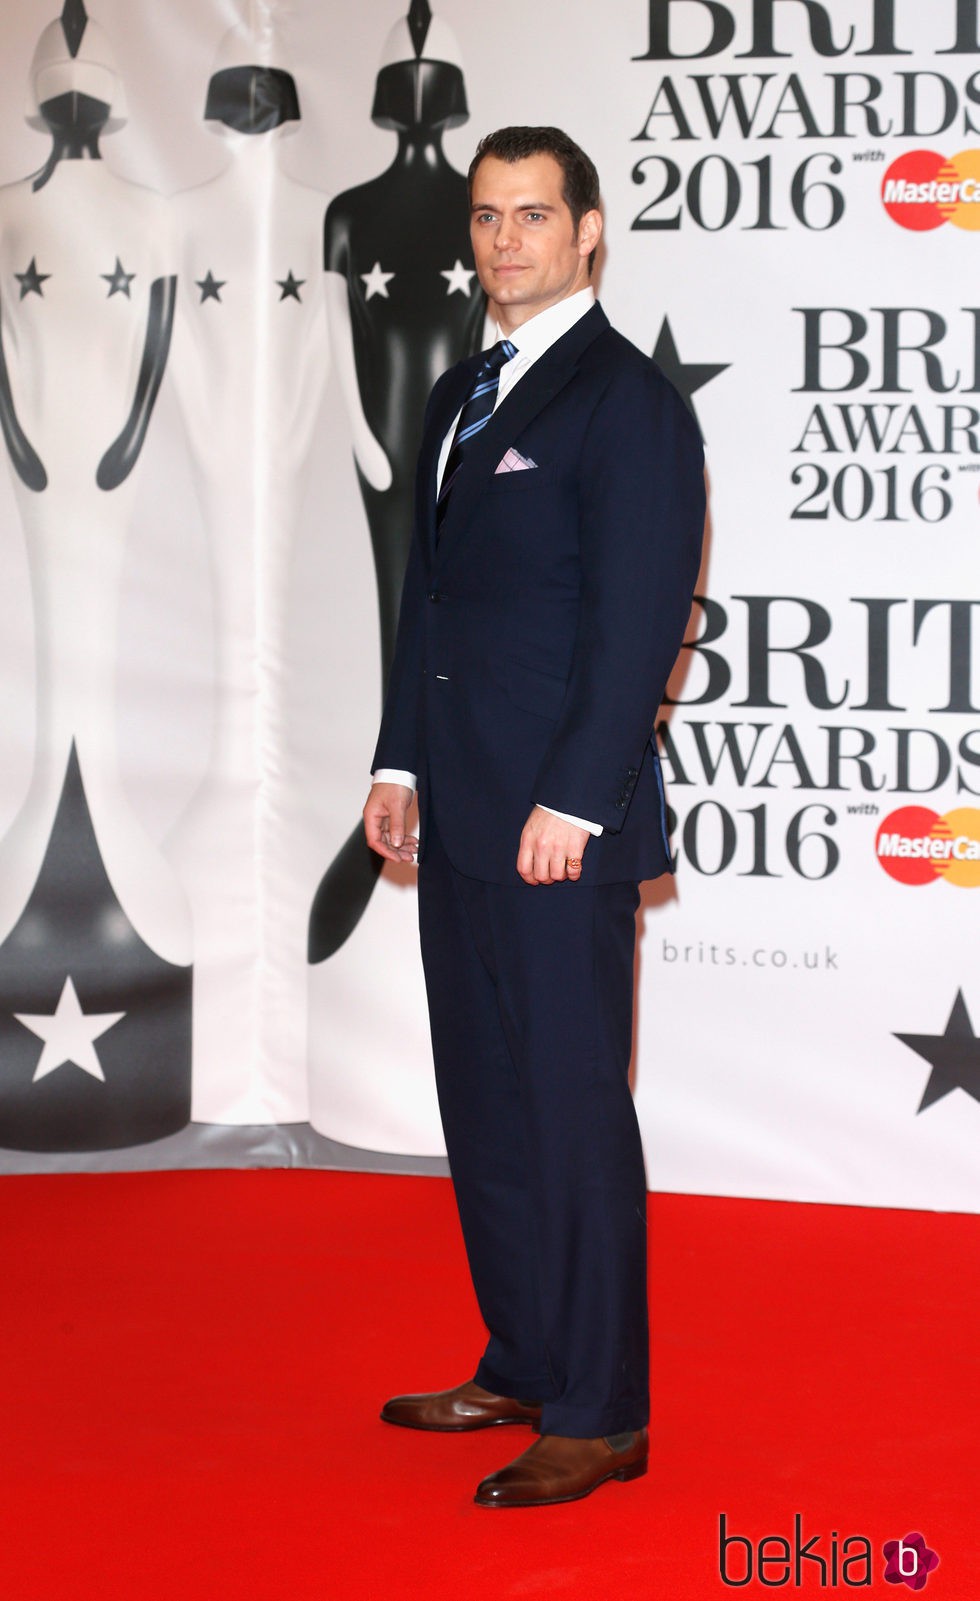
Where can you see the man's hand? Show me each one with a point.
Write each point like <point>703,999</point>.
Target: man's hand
<point>551,850</point>
<point>384,822</point>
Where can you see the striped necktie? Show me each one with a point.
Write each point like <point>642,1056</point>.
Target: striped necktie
<point>476,413</point>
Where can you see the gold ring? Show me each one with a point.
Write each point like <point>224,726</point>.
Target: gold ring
<point>573,861</point>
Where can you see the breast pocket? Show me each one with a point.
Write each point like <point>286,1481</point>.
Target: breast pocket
<point>523,482</point>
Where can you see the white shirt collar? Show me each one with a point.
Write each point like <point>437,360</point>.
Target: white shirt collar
<point>536,335</point>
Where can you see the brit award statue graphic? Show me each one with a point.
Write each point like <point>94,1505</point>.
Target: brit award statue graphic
<point>250,363</point>
<point>404,304</point>
<point>95,982</point>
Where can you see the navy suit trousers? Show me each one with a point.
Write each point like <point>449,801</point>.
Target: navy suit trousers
<point>530,992</point>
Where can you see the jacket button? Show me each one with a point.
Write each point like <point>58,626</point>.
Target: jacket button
<point>433,594</point>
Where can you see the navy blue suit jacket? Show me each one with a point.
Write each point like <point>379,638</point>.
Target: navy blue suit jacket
<point>535,639</point>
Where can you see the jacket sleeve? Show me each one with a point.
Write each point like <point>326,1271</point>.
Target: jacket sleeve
<point>642,506</point>
<point>398,739</point>
<point>397,745</point>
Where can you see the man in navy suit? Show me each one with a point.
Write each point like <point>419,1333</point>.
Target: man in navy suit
<point>558,520</point>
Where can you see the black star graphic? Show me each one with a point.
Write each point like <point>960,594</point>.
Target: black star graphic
<point>290,286</point>
<point>954,1056</point>
<point>686,377</point>
<point>118,280</point>
<point>210,287</point>
<point>31,280</point>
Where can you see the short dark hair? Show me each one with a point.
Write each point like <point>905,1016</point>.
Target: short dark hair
<point>580,181</point>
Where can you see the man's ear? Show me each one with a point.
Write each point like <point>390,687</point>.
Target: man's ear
<point>589,232</point>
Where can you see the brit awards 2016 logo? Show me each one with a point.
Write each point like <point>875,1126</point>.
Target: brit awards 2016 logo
<point>754,656</point>
<point>892,412</point>
<point>770,92</point>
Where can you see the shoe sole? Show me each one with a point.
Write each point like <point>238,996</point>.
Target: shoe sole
<point>461,1428</point>
<point>635,1470</point>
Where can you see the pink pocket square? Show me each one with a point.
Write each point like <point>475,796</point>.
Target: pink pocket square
<point>514,462</point>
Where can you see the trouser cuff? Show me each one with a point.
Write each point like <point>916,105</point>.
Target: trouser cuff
<point>534,1388</point>
<point>588,1423</point>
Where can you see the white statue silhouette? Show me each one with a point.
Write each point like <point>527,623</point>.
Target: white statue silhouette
<point>250,364</point>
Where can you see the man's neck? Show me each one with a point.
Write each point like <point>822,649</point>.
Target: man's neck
<point>510,318</point>
<point>557,312</point>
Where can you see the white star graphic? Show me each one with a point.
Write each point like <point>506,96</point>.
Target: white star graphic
<point>69,1035</point>
<point>376,281</point>
<point>458,277</point>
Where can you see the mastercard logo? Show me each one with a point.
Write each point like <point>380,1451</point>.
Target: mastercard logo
<point>922,190</point>
<point>916,846</point>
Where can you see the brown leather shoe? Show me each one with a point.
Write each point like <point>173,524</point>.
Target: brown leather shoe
<point>556,1469</point>
<point>468,1406</point>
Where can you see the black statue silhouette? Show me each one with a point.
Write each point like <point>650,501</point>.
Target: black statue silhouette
<point>400,245</point>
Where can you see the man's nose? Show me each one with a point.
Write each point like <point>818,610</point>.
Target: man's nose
<point>506,237</point>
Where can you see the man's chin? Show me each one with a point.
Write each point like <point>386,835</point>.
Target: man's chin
<point>513,279</point>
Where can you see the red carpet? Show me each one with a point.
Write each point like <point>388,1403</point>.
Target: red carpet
<point>193,1365</point>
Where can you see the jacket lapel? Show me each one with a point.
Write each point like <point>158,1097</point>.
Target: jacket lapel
<point>549,374</point>
<point>455,385</point>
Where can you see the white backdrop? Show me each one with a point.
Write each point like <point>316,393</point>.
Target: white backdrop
<point>831,350</point>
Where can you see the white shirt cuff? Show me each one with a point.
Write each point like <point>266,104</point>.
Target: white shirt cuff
<point>595,829</point>
<point>394,775</point>
<point>397,775</point>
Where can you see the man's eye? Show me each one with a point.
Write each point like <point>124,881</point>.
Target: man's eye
<point>534,216</point>
<point>485,216</point>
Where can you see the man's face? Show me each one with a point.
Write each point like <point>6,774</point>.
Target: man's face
<point>526,250</point>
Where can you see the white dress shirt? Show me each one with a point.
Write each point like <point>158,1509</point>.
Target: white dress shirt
<point>532,339</point>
